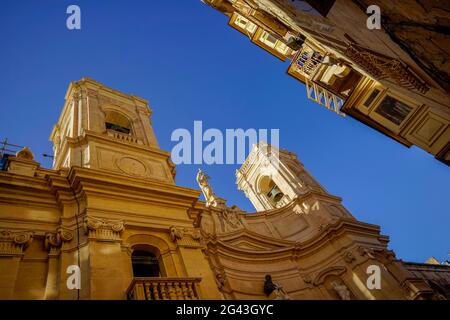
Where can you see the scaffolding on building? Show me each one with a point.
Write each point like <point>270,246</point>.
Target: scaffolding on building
<point>7,149</point>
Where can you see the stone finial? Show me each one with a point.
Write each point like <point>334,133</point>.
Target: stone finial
<point>25,153</point>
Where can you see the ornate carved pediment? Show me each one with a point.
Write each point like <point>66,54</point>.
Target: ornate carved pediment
<point>187,237</point>
<point>14,242</point>
<point>102,229</point>
<point>26,154</point>
<point>230,219</point>
<point>248,245</point>
<point>54,240</point>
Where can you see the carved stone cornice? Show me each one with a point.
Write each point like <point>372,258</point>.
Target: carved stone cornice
<point>14,242</point>
<point>54,240</point>
<point>103,230</point>
<point>185,237</point>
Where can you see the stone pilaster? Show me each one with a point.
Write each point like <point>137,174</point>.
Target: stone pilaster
<point>105,257</point>
<point>12,246</point>
<point>53,243</point>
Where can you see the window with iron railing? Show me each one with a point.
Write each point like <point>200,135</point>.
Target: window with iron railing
<point>308,61</point>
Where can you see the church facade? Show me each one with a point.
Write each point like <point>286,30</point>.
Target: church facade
<point>109,222</point>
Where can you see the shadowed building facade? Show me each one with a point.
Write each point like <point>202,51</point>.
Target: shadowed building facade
<point>110,206</point>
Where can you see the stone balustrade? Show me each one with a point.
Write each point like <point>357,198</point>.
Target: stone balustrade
<point>164,289</point>
<point>123,136</point>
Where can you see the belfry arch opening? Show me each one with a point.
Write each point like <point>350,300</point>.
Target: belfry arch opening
<point>117,122</point>
<point>146,262</point>
<point>270,190</point>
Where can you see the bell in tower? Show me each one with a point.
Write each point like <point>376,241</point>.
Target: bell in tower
<point>275,194</point>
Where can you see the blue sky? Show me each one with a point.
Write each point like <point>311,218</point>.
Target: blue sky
<point>183,58</point>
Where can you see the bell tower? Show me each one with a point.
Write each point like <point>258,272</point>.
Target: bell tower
<point>102,128</point>
<point>272,178</point>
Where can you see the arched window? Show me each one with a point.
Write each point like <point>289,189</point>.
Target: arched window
<point>117,122</point>
<point>269,188</point>
<point>145,264</point>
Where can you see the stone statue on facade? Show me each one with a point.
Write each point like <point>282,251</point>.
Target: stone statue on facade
<point>211,198</point>
<point>341,290</point>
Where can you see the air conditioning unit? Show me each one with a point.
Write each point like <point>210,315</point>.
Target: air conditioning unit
<point>296,43</point>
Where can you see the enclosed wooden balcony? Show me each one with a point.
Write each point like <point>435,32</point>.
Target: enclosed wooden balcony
<point>159,288</point>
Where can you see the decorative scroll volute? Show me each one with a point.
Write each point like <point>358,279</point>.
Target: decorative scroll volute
<point>103,230</point>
